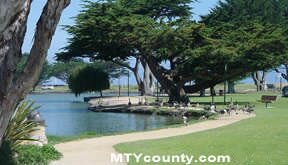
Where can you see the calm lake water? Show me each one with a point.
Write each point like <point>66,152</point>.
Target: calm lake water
<point>67,115</point>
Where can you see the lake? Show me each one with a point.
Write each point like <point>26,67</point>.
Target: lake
<point>67,115</point>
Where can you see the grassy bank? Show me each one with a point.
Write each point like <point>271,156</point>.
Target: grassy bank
<point>261,140</point>
<point>86,135</point>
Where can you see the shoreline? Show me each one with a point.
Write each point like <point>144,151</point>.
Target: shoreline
<point>138,106</point>
<point>99,149</point>
<point>153,110</point>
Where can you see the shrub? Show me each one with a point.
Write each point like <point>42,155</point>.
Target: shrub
<point>35,155</point>
<point>6,154</point>
<point>19,127</point>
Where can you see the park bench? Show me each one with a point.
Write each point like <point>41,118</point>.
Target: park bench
<point>268,99</point>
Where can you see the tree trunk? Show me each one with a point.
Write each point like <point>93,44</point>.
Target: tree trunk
<point>285,76</point>
<point>148,79</point>
<point>175,90</point>
<point>202,93</point>
<point>212,91</point>
<point>135,71</point>
<point>178,95</point>
<point>12,90</point>
<point>139,81</point>
<point>259,80</point>
<point>231,87</point>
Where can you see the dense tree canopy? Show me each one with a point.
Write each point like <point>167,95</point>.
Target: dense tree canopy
<point>194,51</point>
<point>88,79</point>
<point>240,13</point>
<point>159,10</point>
<point>243,11</point>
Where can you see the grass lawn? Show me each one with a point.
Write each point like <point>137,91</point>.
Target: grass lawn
<point>257,141</point>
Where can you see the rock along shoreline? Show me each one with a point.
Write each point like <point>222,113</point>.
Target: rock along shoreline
<point>151,110</point>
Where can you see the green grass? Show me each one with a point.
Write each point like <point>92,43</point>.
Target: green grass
<point>262,140</point>
<point>61,139</point>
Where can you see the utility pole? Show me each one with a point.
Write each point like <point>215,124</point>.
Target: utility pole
<point>128,84</point>
<point>119,87</point>
<point>129,102</point>
<point>281,83</point>
<point>157,91</point>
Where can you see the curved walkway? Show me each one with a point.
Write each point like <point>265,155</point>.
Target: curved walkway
<point>97,150</point>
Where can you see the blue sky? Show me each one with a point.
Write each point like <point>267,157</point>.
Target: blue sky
<point>201,7</point>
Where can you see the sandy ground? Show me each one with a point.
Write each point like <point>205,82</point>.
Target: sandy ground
<point>97,151</point>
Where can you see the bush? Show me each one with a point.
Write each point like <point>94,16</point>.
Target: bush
<point>19,127</point>
<point>28,155</point>
<point>34,155</point>
<point>6,154</point>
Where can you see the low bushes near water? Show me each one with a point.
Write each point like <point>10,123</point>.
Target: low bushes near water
<point>35,155</point>
<point>28,155</point>
<point>12,150</point>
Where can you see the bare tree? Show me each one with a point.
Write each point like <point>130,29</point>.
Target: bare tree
<point>13,17</point>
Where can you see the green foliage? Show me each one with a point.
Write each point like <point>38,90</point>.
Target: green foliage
<point>117,30</point>
<point>270,15</point>
<point>28,155</point>
<point>106,29</point>
<point>63,70</point>
<point>19,127</point>
<point>159,10</point>
<point>6,154</point>
<point>34,155</point>
<point>239,12</point>
<point>61,139</point>
<point>200,53</point>
<point>88,79</point>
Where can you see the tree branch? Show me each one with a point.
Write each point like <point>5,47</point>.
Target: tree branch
<point>11,40</point>
<point>121,63</point>
<point>45,30</point>
<point>9,9</point>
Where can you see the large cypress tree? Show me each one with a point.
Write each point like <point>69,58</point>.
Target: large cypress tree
<point>192,51</point>
<point>243,12</point>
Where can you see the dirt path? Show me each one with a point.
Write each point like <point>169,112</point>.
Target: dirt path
<point>97,151</point>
